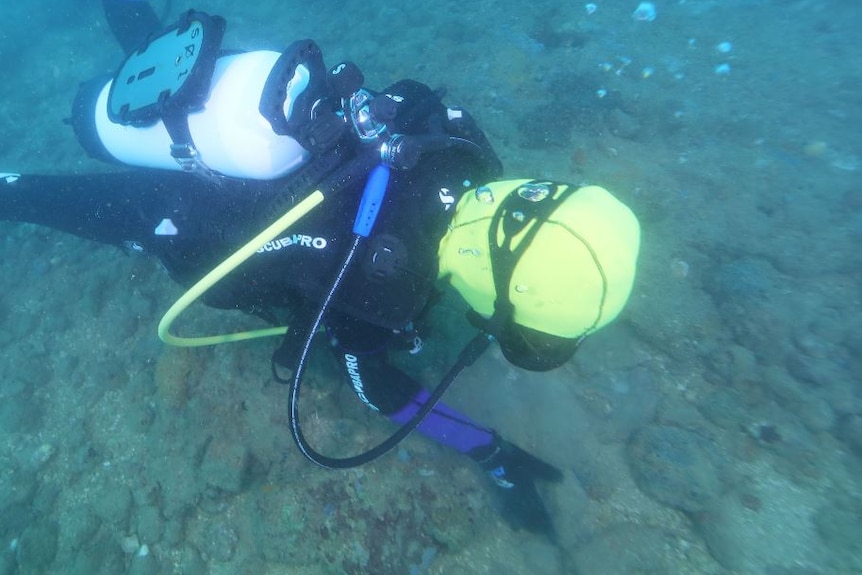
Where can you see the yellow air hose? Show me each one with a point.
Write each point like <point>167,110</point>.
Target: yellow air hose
<point>232,262</point>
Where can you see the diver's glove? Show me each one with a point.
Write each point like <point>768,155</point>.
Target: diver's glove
<point>515,472</point>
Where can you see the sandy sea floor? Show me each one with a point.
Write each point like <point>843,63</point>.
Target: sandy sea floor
<point>715,428</point>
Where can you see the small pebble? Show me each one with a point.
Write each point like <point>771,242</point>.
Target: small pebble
<point>130,544</point>
<point>679,268</point>
<point>42,455</point>
<point>645,12</point>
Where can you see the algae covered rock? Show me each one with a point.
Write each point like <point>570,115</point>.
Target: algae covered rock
<point>627,548</point>
<point>113,504</point>
<point>174,368</point>
<point>226,465</point>
<point>150,525</point>
<point>37,547</point>
<point>839,526</point>
<point>674,466</point>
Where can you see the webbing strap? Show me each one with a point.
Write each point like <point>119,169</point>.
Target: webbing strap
<point>530,205</point>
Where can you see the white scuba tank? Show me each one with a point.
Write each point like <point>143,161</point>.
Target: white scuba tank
<point>230,134</point>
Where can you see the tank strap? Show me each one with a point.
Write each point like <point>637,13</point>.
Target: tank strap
<point>168,78</point>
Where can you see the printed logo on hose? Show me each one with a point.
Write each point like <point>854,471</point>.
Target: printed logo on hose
<point>299,240</point>
<point>351,362</point>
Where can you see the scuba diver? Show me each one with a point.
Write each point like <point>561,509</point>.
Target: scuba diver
<point>221,144</point>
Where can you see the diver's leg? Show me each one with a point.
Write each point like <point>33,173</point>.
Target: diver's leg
<point>361,352</point>
<point>513,471</point>
<point>131,21</point>
<point>108,208</point>
<point>445,425</point>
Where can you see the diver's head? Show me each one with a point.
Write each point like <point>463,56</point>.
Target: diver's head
<point>545,262</point>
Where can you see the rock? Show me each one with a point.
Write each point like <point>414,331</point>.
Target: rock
<point>112,504</point>
<point>841,532</point>
<point>130,544</point>
<point>85,561</point>
<point>143,563</point>
<point>139,417</point>
<point>714,526</point>
<point>105,550</point>
<point>766,525</point>
<point>226,465</point>
<point>220,542</point>
<point>721,408</point>
<point>746,280</point>
<point>178,478</point>
<point>45,500</point>
<point>745,291</point>
<point>674,466</point>
<point>850,432</point>
<point>174,532</point>
<point>81,530</point>
<point>15,519</point>
<point>174,369</point>
<point>674,318</point>
<point>42,455</point>
<point>742,365</point>
<point>816,371</point>
<point>17,487</point>
<point>7,564</point>
<point>37,548</point>
<point>150,525</point>
<point>814,412</point>
<point>626,548</point>
<point>624,125</point>
<point>20,413</point>
<point>677,412</point>
<point>189,562</point>
<point>595,473</point>
<point>622,402</point>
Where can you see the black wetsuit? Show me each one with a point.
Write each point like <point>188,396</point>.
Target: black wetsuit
<point>387,287</point>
